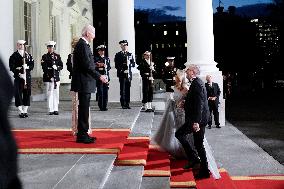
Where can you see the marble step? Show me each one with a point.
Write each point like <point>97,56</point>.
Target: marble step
<point>155,183</point>
<point>65,171</point>
<point>125,177</point>
<point>143,125</point>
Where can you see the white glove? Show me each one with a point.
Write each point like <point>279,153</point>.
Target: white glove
<point>152,68</point>
<point>25,66</point>
<point>151,78</point>
<point>54,67</point>
<point>22,76</point>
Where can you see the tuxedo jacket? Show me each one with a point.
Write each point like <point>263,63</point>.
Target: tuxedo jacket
<point>16,66</point>
<point>84,70</point>
<point>47,61</point>
<point>196,104</point>
<point>213,91</point>
<point>120,61</point>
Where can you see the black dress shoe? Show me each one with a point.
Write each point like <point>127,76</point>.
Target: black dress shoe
<point>128,107</point>
<point>50,113</point>
<point>124,107</point>
<point>103,109</point>
<point>26,114</point>
<point>85,140</point>
<point>55,113</point>
<point>149,110</point>
<point>202,174</point>
<point>21,115</point>
<point>218,126</point>
<point>209,127</point>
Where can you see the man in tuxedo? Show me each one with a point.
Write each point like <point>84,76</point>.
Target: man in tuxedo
<point>84,81</point>
<point>213,93</point>
<point>124,61</point>
<point>21,63</point>
<point>8,149</point>
<point>196,118</point>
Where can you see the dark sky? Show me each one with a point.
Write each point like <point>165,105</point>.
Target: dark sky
<point>177,7</point>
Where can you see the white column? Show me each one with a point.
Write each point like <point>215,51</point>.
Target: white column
<point>200,43</point>
<point>6,32</point>
<point>121,27</point>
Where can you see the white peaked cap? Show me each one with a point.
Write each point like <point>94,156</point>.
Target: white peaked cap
<point>21,41</point>
<point>50,43</point>
<point>147,52</point>
<point>170,58</point>
<point>101,47</point>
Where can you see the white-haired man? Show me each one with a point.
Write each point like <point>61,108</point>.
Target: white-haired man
<point>196,118</point>
<point>84,81</point>
<point>21,63</point>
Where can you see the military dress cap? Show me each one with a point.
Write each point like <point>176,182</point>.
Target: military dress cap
<point>147,53</point>
<point>170,57</point>
<point>101,47</point>
<point>123,42</point>
<point>50,43</point>
<point>21,41</point>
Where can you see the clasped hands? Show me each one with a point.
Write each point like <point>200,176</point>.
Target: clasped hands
<point>104,79</point>
<point>212,98</point>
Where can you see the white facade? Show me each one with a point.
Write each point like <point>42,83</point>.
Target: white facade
<point>121,27</point>
<point>200,40</point>
<point>57,20</point>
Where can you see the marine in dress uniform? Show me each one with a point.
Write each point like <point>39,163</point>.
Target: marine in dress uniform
<point>169,73</point>
<point>51,65</point>
<point>21,63</point>
<point>102,66</point>
<point>146,68</point>
<point>124,61</point>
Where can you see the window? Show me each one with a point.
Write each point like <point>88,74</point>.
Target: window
<point>27,25</point>
<point>165,32</point>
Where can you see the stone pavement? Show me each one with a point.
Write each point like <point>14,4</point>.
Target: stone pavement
<point>232,150</point>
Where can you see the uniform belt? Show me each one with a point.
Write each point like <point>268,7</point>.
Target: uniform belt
<point>101,68</point>
<point>147,74</point>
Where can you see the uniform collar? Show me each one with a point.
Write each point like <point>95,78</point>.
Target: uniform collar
<point>85,40</point>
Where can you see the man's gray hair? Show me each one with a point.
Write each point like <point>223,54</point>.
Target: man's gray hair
<point>193,67</point>
<point>88,29</point>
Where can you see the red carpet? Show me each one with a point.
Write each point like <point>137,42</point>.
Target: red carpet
<point>225,181</point>
<point>259,182</point>
<point>158,163</point>
<point>181,178</point>
<point>109,141</point>
<point>134,151</point>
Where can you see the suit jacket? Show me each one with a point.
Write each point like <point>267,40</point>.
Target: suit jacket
<point>213,91</point>
<point>47,61</point>
<point>196,104</point>
<point>120,60</point>
<point>105,69</point>
<point>84,70</point>
<point>8,149</point>
<point>16,66</point>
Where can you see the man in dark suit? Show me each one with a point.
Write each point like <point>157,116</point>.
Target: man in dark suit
<point>124,61</point>
<point>21,63</point>
<point>8,150</point>
<point>84,81</point>
<point>196,118</point>
<point>103,67</point>
<point>213,93</point>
